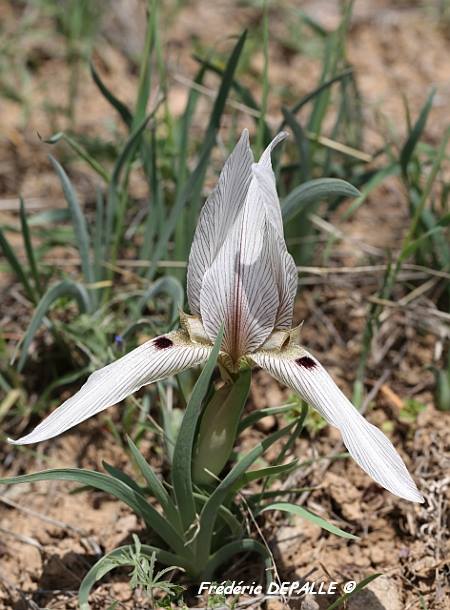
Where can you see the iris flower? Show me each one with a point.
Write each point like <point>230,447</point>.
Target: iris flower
<point>241,275</point>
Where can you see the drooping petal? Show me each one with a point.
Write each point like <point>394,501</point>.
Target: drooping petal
<point>368,446</point>
<point>218,216</point>
<point>152,361</point>
<point>251,281</point>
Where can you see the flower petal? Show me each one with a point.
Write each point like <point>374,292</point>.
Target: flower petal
<point>283,264</point>
<point>218,216</point>
<point>152,361</point>
<point>368,446</point>
<point>251,281</point>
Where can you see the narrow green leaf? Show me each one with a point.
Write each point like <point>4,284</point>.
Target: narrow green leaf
<point>313,94</point>
<point>378,178</point>
<point>81,152</point>
<point>261,413</point>
<point>302,143</point>
<point>16,266</point>
<point>313,191</point>
<point>164,285</point>
<point>155,485</point>
<point>78,221</point>
<point>121,108</point>
<point>415,134</point>
<point>66,288</point>
<point>293,509</point>
<point>125,156</point>
<point>145,71</point>
<point>339,603</point>
<point>99,246</point>
<point>262,473</point>
<point>116,488</point>
<point>242,91</point>
<point>247,545</point>
<point>195,179</point>
<point>169,225</point>
<point>119,474</point>
<point>29,246</point>
<point>209,513</point>
<point>182,455</point>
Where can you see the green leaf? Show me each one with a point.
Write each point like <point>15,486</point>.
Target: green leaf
<point>16,266</point>
<point>378,178</point>
<point>314,191</point>
<point>81,152</point>
<point>293,509</point>
<point>78,221</point>
<point>262,473</point>
<point>117,473</point>
<point>209,513</point>
<point>121,108</point>
<point>182,455</point>
<point>114,559</point>
<point>116,488</point>
<point>124,157</point>
<point>261,413</point>
<point>66,288</point>
<point>313,94</point>
<point>195,179</point>
<point>155,485</point>
<point>340,601</point>
<point>415,134</point>
<point>165,285</point>
<point>29,246</point>
<point>247,545</point>
<point>302,143</point>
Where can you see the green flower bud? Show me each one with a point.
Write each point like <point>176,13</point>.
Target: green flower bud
<point>218,429</point>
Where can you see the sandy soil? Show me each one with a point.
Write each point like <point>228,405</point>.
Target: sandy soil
<point>49,538</point>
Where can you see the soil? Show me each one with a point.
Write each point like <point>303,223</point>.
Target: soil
<point>49,538</point>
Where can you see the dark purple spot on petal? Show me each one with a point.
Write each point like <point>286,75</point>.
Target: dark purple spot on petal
<point>162,342</point>
<point>306,362</point>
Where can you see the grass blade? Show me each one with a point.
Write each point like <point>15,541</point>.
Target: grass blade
<point>116,488</point>
<point>155,485</point>
<point>415,134</point>
<point>81,152</point>
<point>121,108</point>
<point>312,192</point>
<point>209,512</point>
<point>341,600</point>
<point>16,266</point>
<point>66,288</point>
<point>293,509</point>
<point>168,285</point>
<point>247,545</point>
<point>302,143</point>
<point>29,246</point>
<point>78,221</point>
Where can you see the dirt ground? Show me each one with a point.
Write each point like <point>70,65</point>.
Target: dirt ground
<point>48,538</point>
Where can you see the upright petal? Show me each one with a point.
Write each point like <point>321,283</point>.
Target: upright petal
<point>218,216</point>
<point>283,264</point>
<point>368,446</point>
<point>249,282</point>
<point>152,361</point>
